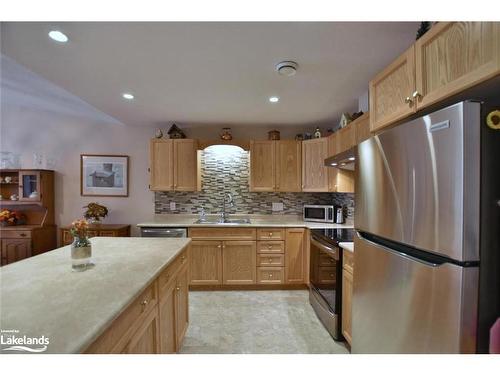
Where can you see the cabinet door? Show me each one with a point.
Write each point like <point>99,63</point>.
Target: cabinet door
<point>346,138</point>
<point>181,306</point>
<point>185,165</point>
<point>295,256</point>
<point>66,237</point>
<point>161,164</point>
<point>347,282</point>
<point>262,165</point>
<point>239,262</point>
<point>454,56</point>
<point>205,263</point>
<point>362,128</point>
<point>15,249</point>
<point>314,172</point>
<point>288,166</point>
<point>391,92</point>
<point>29,184</point>
<point>146,339</point>
<point>167,315</point>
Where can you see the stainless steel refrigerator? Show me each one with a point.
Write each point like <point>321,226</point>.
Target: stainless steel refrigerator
<point>426,214</point>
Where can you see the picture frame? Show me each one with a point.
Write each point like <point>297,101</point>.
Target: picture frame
<point>104,175</point>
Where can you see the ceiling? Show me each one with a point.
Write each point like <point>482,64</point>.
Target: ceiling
<point>211,73</point>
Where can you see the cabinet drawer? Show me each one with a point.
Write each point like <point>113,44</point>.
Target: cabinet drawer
<point>241,234</point>
<point>270,275</point>
<point>271,247</point>
<point>270,234</point>
<point>270,260</point>
<point>171,270</point>
<point>117,334</point>
<point>15,234</point>
<point>348,260</point>
<point>107,233</point>
<point>326,260</point>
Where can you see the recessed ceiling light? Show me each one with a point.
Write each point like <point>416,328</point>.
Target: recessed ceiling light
<point>128,96</point>
<point>274,99</point>
<point>334,164</point>
<point>58,36</point>
<point>352,158</point>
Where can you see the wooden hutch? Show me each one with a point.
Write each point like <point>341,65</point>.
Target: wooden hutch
<point>34,189</point>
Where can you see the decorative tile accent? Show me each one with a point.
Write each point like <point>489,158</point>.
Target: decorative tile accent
<point>224,169</point>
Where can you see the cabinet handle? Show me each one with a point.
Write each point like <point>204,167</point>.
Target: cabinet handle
<point>178,288</point>
<point>23,234</point>
<point>219,246</point>
<point>144,303</point>
<point>270,260</point>
<point>270,234</point>
<point>408,101</point>
<point>417,95</point>
<point>183,259</point>
<point>269,247</point>
<point>270,275</point>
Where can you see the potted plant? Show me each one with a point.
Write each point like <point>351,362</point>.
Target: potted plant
<point>81,248</point>
<point>95,212</point>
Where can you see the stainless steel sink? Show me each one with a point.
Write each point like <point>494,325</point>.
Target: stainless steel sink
<point>218,220</point>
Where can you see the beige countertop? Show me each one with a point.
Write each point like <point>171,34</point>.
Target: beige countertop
<point>41,295</point>
<point>188,220</point>
<point>349,246</point>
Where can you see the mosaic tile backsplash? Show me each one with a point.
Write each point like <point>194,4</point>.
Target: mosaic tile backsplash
<point>224,169</point>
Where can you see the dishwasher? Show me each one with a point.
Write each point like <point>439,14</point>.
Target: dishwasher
<point>163,232</point>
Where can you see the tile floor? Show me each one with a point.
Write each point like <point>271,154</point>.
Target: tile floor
<point>256,322</point>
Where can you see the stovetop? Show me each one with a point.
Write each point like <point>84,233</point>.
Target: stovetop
<point>335,235</point>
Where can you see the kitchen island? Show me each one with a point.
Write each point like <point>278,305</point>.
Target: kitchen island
<point>137,289</point>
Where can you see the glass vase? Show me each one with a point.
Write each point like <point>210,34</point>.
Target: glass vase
<point>81,254</point>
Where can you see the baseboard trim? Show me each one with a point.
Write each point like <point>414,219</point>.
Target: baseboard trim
<point>248,287</point>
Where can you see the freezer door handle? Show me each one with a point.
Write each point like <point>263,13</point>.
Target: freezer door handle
<point>404,254</point>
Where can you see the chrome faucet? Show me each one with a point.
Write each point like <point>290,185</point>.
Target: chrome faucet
<point>229,198</point>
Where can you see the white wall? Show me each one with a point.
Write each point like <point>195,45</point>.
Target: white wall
<point>38,116</point>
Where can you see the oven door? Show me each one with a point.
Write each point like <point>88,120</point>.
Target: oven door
<point>325,275</point>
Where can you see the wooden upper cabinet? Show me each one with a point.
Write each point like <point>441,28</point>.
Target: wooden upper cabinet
<point>314,172</point>
<point>346,138</point>
<point>262,165</point>
<point>288,166</point>
<point>391,92</point>
<point>161,164</point>
<point>173,164</point>
<point>185,164</point>
<point>362,128</point>
<point>239,262</point>
<point>454,56</point>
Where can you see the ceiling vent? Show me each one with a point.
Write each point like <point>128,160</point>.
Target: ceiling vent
<point>287,68</point>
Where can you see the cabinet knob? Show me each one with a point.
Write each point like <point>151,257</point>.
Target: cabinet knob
<point>270,260</point>
<point>270,234</point>
<point>408,101</point>
<point>219,246</point>
<point>270,275</point>
<point>178,288</point>
<point>183,259</point>
<point>269,247</point>
<point>331,275</point>
<point>417,95</point>
<point>144,303</point>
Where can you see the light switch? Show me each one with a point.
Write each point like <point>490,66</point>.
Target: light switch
<point>277,206</point>
<point>172,206</point>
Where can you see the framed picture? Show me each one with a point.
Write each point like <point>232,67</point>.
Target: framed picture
<point>104,175</point>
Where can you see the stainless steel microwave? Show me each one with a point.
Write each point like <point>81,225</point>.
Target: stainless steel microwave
<point>319,213</point>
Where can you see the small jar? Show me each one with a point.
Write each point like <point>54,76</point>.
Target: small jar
<point>81,254</point>
<point>226,134</point>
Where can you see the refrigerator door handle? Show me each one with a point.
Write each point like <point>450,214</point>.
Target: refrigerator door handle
<point>396,252</point>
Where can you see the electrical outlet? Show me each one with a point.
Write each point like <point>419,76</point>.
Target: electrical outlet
<point>277,206</point>
<point>172,206</point>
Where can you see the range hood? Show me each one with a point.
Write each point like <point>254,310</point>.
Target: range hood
<point>344,160</point>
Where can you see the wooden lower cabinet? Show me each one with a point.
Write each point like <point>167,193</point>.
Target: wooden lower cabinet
<point>181,306</point>
<point>347,289</point>
<point>156,321</point>
<point>167,313</point>
<point>205,263</point>
<point>146,339</point>
<point>14,250</point>
<point>295,256</point>
<point>270,275</point>
<point>239,262</point>
<point>97,230</point>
